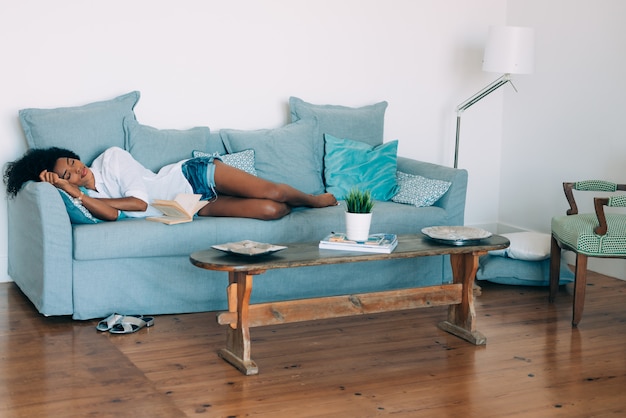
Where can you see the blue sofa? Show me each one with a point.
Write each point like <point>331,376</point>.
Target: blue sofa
<point>134,266</point>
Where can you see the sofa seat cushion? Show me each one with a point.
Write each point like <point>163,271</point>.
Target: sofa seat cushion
<point>136,238</point>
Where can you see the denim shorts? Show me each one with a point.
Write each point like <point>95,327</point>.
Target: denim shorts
<point>200,173</point>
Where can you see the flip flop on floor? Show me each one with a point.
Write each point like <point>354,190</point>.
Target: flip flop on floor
<point>129,324</point>
<point>108,322</point>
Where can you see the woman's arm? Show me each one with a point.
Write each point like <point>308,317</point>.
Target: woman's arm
<point>106,209</point>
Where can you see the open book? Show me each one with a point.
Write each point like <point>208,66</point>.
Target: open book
<point>181,209</point>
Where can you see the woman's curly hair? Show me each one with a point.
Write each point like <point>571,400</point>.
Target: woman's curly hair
<point>28,168</point>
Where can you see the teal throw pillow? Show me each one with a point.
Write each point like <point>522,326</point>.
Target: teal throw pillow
<point>243,160</point>
<point>350,164</point>
<point>419,191</point>
<point>365,124</point>
<point>283,155</point>
<point>87,130</point>
<point>77,212</point>
<point>155,148</point>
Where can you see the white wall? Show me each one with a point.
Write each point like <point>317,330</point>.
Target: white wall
<point>566,122</point>
<point>234,64</point>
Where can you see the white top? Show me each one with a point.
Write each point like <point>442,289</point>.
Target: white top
<point>118,174</point>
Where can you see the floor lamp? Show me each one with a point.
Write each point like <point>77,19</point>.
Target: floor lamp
<point>509,50</point>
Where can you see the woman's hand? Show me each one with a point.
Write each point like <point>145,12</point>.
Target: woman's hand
<point>54,179</point>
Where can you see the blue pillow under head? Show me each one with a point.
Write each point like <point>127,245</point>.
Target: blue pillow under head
<point>77,212</point>
<point>349,164</point>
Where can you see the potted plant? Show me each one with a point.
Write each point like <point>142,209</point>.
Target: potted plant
<point>359,206</point>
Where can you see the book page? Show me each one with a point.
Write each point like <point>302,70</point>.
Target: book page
<point>188,202</point>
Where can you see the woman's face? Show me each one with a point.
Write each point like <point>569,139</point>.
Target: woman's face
<point>74,171</point>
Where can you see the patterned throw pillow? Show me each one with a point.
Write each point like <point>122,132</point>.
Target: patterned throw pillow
<point>419,191</point>
<point>243,160</point>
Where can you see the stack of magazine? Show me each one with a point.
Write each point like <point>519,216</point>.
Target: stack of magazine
<point>376,243</point>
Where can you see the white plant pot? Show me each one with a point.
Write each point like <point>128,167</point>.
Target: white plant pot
<point>358,226</point>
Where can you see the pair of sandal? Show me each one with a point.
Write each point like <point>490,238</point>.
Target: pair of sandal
<point>124,324</point>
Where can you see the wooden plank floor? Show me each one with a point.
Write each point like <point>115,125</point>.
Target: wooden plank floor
<point>399,364</point>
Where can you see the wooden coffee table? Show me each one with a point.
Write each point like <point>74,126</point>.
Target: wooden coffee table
<point>241,315</point>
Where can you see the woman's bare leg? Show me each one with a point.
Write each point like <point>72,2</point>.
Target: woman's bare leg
<point>244,207</point>
<point>234,182</point>
<point>243,195</point>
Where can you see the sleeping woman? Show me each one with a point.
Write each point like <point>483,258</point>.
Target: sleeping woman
<point>116,182</point>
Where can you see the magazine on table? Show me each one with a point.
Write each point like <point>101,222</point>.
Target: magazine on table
<point>376,243</point>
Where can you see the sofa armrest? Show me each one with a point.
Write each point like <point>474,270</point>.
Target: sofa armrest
<point>453,202</point>
<point>40,247</point>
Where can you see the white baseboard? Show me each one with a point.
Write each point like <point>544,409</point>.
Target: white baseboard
<point>4,268</point>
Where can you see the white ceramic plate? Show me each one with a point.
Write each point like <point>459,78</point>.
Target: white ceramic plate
<point>456,235</point>
<point>249,248</point>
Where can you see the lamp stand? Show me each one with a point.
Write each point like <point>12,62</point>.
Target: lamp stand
<point>506,78</point>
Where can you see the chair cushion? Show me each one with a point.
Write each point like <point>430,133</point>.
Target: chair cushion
<point>576,232</point>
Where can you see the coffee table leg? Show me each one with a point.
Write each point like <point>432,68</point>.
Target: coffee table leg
<point>237,351</point>
<point>462,317</point>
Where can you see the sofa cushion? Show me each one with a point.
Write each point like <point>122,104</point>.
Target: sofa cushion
<point>87,130</point>
<point>283,155</point>
<point>138,238</point>
<point>243,160</point>
<point>155,148</point>
<point>365,124</point>
<point>419,191</point>
<point>349,164</point>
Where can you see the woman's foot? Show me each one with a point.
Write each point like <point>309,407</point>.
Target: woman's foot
<point>323,200</point>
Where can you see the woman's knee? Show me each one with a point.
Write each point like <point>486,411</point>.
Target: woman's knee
<point>274,210</point>
<point>278,192</point>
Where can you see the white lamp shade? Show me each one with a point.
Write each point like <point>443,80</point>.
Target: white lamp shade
<point>510,50</point>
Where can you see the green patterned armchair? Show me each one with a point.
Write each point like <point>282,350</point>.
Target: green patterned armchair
<point>596,234</point>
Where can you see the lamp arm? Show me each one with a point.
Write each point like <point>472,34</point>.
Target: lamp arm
<point>506,78</point>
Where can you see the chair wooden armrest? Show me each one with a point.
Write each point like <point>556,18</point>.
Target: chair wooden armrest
<point>569,194</point>
<point>599,203</point>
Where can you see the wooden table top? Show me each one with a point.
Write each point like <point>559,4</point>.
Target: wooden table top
<point>309,254</point>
